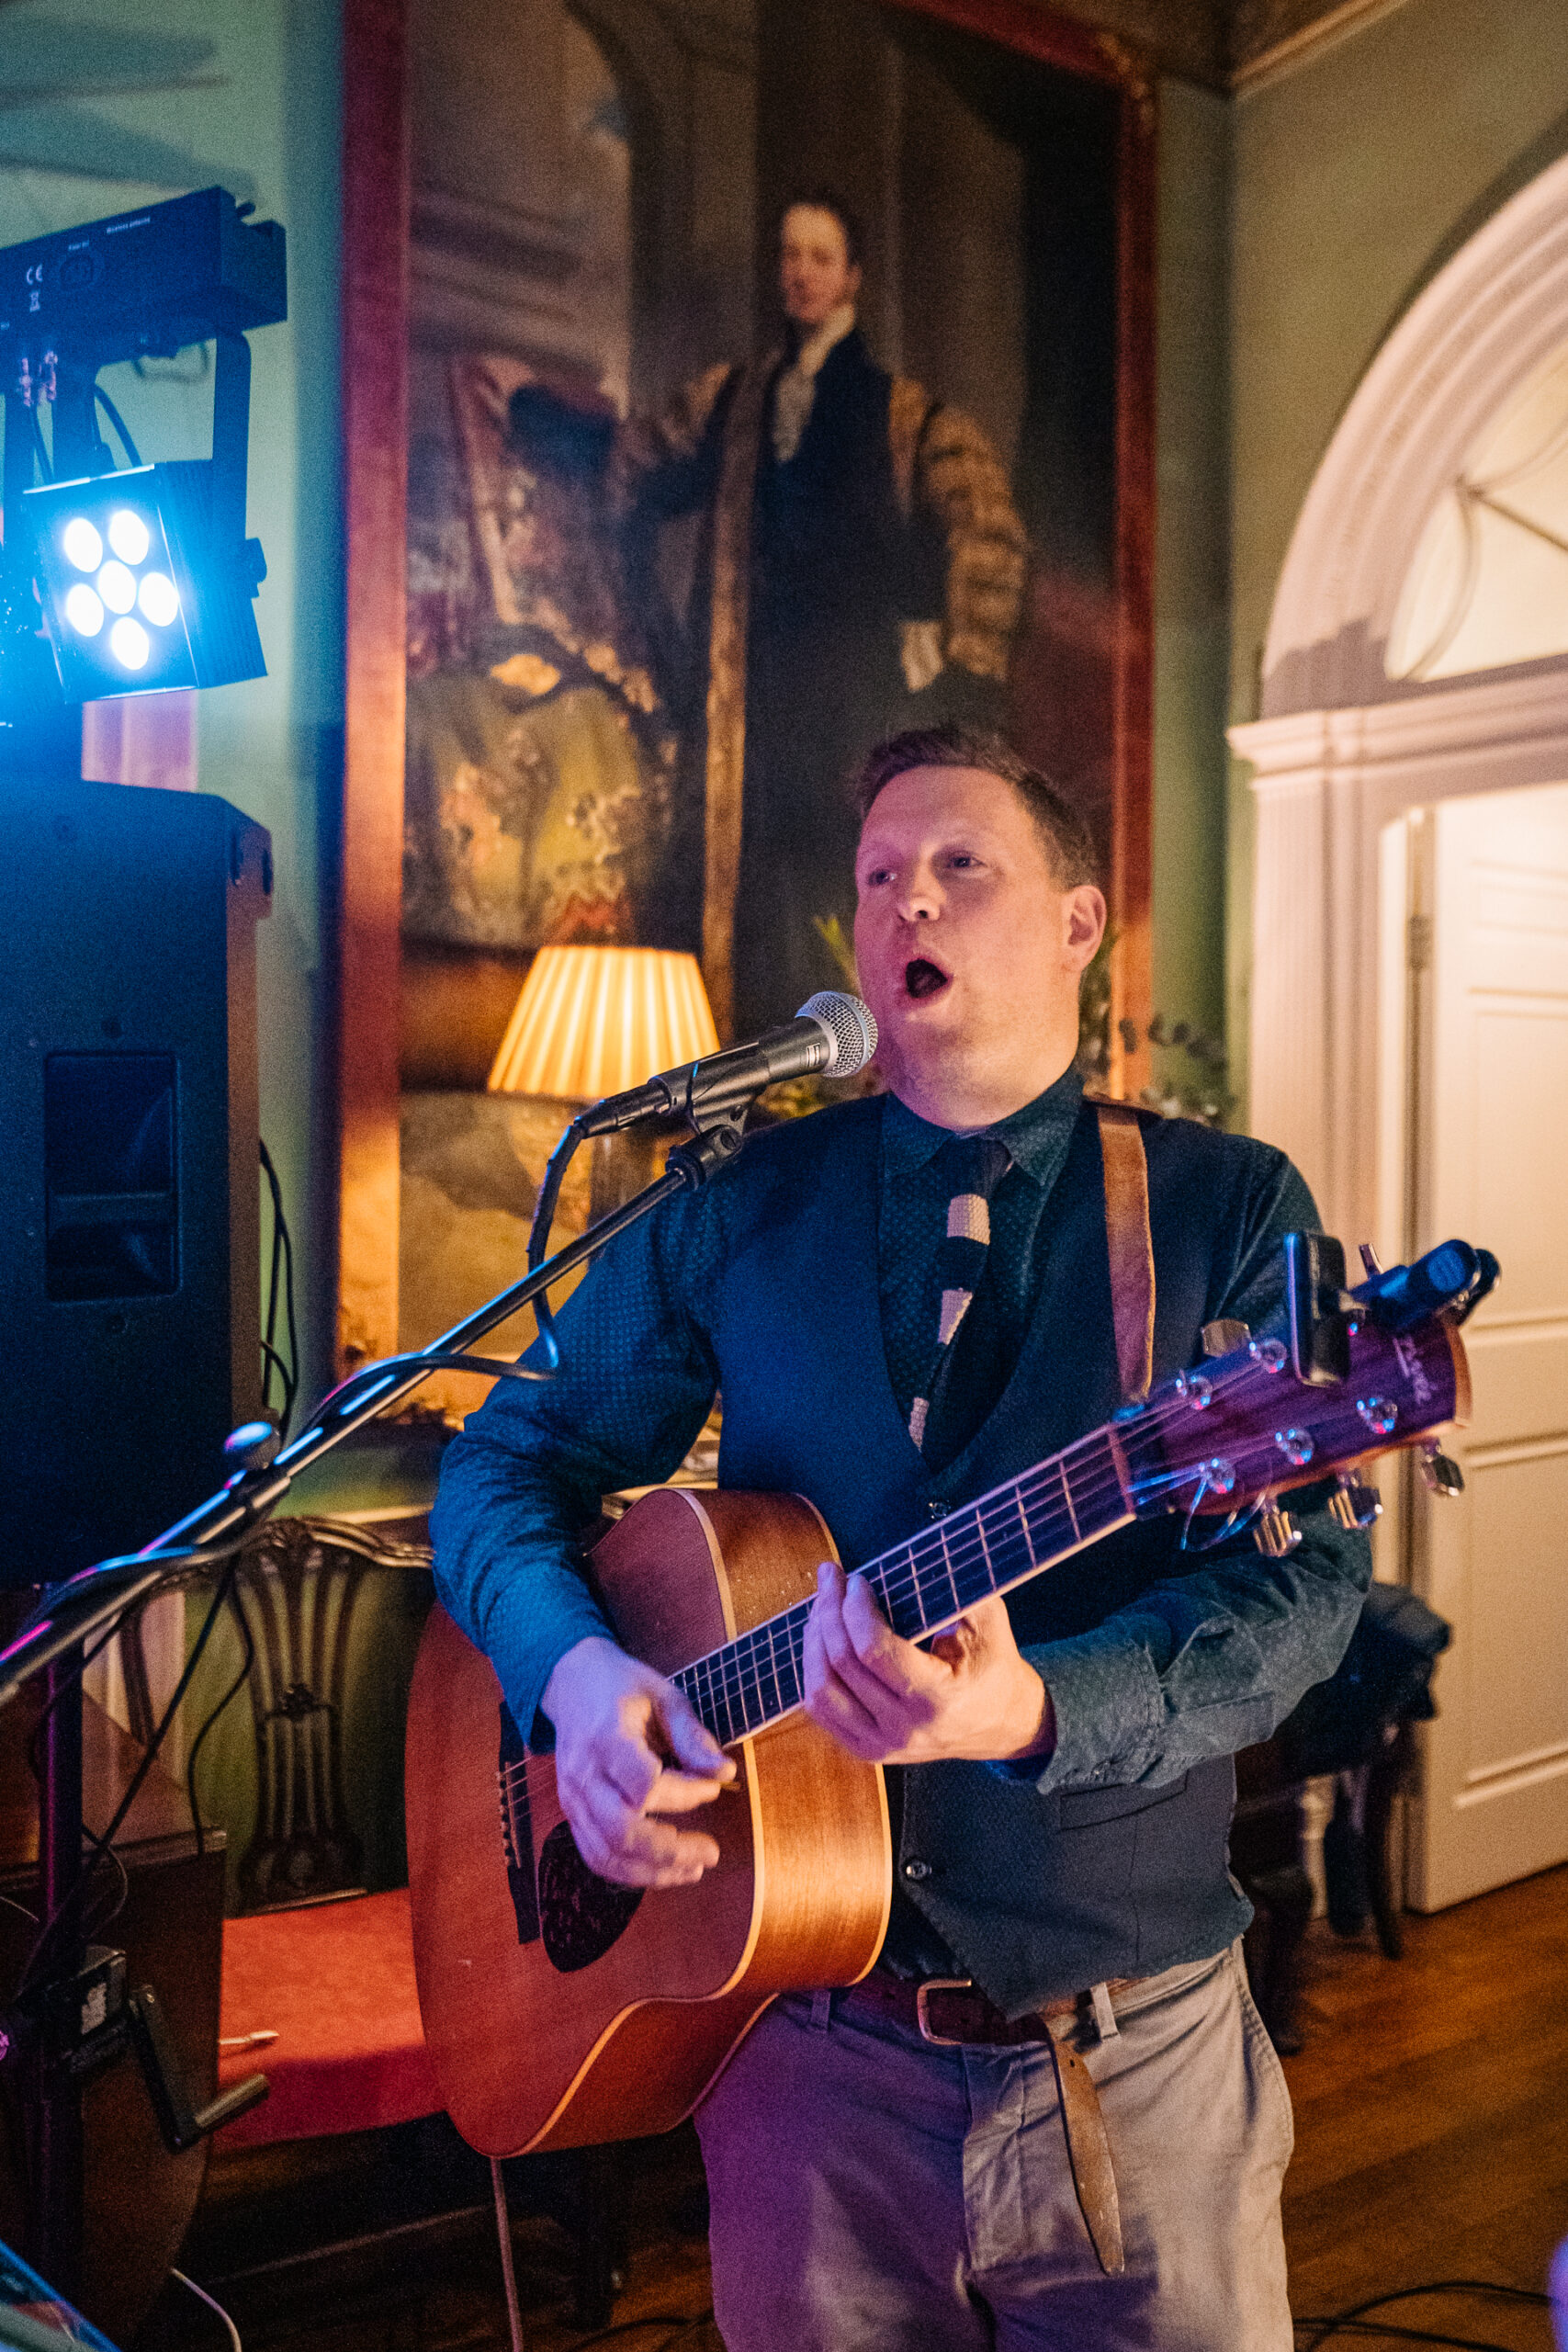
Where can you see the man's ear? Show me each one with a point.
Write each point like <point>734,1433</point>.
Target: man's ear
<point>1084,921</point>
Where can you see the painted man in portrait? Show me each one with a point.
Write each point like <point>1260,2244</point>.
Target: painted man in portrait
<point>861,569</point>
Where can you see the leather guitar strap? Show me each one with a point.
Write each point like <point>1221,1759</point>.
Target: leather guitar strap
<point>1130,1248</point>
<point>1088,2145</point>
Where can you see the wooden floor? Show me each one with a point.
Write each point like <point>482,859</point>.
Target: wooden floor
<point>1432,2143</point>
<point>1432,2115</point>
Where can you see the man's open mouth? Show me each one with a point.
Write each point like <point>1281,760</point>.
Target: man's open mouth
<point>922,978</point>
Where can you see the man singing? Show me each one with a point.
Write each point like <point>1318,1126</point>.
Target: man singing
<point>1081,2145</point>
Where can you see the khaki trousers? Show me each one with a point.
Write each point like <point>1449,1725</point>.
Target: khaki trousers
<point>872,2194</point>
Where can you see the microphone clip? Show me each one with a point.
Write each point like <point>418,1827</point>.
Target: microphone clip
<point>718,1139</point>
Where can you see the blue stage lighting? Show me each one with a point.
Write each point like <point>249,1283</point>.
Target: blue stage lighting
<point>145,575</point>
<point>134,595</point>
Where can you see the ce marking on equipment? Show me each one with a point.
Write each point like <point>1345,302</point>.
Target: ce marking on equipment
<point>35,286</point>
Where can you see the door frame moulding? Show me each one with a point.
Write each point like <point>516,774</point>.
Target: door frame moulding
<point>1341,749</point>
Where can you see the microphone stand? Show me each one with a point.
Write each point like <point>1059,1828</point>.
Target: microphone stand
<point>71,1614</point>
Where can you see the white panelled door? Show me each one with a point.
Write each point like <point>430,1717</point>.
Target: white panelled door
<point>1489,1131</point>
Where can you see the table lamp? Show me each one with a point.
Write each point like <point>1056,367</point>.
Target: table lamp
<point>593,1020</point>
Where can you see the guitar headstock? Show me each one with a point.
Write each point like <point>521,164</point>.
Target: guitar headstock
<point>1361,1373</point>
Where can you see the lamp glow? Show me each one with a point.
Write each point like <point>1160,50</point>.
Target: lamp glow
<point>116,587</point>
<point>82,544</point>
<point>129,537</point>
<point>158,598</point>
<point>83,610</point>
<point>592,1021</point>
<point>129,644</point>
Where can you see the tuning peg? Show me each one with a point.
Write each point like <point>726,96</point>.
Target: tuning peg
<point>1221,1337</point>
<point>1276,1533</point>
<point>1441,1473</point>
<point>1354,1503</point>
<point>1371,1262</point>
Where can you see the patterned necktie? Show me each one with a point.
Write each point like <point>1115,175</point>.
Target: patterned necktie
<point>975,1165</point>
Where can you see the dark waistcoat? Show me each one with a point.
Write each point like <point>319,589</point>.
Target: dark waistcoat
<point>1037,1896</point>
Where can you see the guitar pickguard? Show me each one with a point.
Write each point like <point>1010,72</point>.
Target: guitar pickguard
<point>580,1914</point>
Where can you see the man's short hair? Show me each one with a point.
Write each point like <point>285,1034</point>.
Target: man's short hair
<point>1069,841</point>
<point>829,200</point>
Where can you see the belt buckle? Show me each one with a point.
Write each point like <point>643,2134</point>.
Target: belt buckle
<point>928,1985</point>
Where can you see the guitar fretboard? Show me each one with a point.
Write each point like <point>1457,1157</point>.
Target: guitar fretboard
<point>925,1584</point>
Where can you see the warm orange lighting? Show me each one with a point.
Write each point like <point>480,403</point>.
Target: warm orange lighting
<point>593,1020</point>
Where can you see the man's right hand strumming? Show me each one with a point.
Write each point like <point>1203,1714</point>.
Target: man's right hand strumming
<point>628,1747</point>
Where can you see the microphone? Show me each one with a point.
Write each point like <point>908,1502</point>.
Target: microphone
<point>833,1035</point>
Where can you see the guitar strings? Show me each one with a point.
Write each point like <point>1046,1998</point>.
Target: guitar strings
<point>916,1570</point>
<point>733,1680</point>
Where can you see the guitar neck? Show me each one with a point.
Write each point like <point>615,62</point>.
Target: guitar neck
<point>922,1586</point>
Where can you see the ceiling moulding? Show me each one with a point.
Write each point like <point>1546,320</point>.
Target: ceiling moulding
<point>1304,46</point>
<point>1189,39</point>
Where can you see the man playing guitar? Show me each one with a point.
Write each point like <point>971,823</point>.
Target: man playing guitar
<point>1051,2114</point>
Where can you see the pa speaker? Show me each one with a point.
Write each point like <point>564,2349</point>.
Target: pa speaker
<point>130,1218</point>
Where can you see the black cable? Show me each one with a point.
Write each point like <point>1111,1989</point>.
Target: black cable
<point>103,1845</point>
<point>97,1921</point>
<point>1346,2320</point>
<point>114,418</point>
<point>35,1758</point>
<point>41,452</point>
<point>237,1610</point>
<point>1385,2329</point>
<point>539,1234</point>
<point>673,2320</point>
<point>274,1364</point>
<point>282,1261</point>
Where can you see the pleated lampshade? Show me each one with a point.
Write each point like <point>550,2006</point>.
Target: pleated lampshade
<point>593,1020</point>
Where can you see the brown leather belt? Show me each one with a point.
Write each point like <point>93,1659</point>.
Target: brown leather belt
<point>951,2013</point>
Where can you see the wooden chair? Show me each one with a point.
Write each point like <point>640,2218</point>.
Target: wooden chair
<point>317,1983</point>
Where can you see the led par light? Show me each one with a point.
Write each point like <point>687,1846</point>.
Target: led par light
<point>136,595</point>
<point>145,576</point>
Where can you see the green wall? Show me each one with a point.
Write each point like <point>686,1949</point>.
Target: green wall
<point>177,95</point>
<point>1357,175</point>
<point>1191,554</point>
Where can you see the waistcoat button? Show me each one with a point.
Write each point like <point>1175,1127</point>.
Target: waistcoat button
<point>916,1869</point>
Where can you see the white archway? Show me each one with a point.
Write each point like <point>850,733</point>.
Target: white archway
<point>1341,749</point>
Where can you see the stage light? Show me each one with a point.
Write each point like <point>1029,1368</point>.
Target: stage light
<point>116,587</point>
<point>82,544</point>
<point>144,572</point>
<point>129,535</point>
<point>129,644</point>
<point>183,608</point>
<point>83,610</point>
<point>158,598</point>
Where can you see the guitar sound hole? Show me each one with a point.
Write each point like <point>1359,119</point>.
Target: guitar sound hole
<point>580,1914</point>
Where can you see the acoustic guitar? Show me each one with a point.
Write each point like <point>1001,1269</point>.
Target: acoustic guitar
<point>562,2010</point>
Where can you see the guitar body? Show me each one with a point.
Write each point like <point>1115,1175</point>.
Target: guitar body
<point>558,2010</point>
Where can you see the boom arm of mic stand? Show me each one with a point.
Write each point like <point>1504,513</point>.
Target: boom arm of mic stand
<point>74,1611</point>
